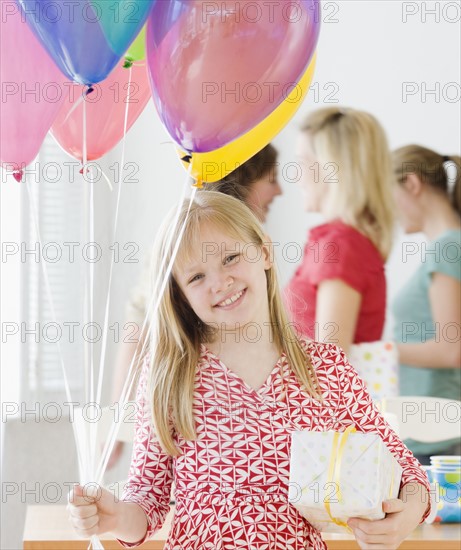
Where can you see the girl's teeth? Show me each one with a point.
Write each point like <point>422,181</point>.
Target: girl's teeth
<point>232,299</point>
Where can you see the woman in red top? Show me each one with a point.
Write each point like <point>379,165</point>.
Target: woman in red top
<point>338,293</point>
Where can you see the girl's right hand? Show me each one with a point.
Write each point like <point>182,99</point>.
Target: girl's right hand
<point>92,510</point>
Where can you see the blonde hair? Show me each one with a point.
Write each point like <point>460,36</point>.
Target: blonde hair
<point>177,332</point>
<point>429,167</point>
<point>357,145</point>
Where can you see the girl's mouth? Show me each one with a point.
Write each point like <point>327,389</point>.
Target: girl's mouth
<point>232,301</point>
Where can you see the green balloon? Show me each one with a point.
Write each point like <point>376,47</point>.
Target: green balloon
<point>137,50</point>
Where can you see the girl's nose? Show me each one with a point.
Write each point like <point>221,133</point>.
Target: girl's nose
<point>222,282</point>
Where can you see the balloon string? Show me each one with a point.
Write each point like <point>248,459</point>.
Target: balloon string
<point>91,434</point>
<point>91,171</point>
<point>152,307</point>
<point>74,106</point>
<point>89,310</point>
<point>114,232</point>
<point>79,100</point>
<point>162,264</point>
<point>49,294</point>
<point>93,399</point>
<point>85,474</point>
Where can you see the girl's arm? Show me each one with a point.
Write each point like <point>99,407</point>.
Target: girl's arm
<point>442,349</point>
<point>337,311</point>
<point>151,471</point>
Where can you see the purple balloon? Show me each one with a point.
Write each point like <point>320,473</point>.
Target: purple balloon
<point>218,69</point>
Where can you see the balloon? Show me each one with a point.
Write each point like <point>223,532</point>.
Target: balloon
<point>218,69</point>
<point>215,165</point>
<point>32,91</point>
<point>137,50</point>
<point>87,38</point>
<point>105,112</point>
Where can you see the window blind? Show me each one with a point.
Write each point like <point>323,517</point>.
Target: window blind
<point>59,195</point>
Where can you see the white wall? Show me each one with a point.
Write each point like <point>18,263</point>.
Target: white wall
<point>366,53</point>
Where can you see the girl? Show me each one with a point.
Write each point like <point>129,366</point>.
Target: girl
<point>255,183</point>
<point>227,383</point>
<point>427,309</point>
<point>338,293</point>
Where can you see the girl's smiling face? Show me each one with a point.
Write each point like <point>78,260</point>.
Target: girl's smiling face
<point>224,280</point>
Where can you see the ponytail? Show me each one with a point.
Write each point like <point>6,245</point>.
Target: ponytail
<point>431,168</point>
<point>455,194</point>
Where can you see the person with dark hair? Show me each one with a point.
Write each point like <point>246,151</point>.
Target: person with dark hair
<point>256,184</point>
<point>427,309</point>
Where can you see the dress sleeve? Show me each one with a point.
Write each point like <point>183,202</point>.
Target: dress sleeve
<point>151,473</point>
<point>358,408</point>
<point>339,256</point>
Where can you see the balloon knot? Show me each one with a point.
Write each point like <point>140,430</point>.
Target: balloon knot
<point>187,158</point>
<point>128,63</point>
<point>198,184</point>
<point>17,175</point>
<point>89,91</point>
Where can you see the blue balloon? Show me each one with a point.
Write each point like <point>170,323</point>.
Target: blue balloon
<point>86,39</point>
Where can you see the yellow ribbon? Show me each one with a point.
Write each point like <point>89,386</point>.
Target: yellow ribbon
<point>334,471</point>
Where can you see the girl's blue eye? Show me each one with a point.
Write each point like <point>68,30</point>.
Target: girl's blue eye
<point>229,259</point>
<point>195,278</point>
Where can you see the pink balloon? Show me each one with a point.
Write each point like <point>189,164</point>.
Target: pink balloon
<point>32,91</point>
<point>105,112</point>
<point>218,69</point>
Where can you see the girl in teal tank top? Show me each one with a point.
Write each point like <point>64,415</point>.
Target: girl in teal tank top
<point>427,309</point>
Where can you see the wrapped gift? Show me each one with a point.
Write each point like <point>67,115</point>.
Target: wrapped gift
<point>335,476</point>
<point>378,365</point>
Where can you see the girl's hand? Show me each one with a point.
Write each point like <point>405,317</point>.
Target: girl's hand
<point>92,510</point>
<point>402,517</point>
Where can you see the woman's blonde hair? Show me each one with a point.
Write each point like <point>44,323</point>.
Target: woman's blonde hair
<point>356,145</point>
<point>429,166</point>
<point>177,332</point>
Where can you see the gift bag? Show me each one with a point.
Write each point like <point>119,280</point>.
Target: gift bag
<point>335,476</point>
<point>378,365</point>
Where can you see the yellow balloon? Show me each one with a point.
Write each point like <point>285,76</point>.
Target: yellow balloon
<point>215,165</point>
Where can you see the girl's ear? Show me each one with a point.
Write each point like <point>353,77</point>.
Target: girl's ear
<point>413,184</point>
<point>268,252</point>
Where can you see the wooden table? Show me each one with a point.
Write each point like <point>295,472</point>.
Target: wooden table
<point>48,528</point>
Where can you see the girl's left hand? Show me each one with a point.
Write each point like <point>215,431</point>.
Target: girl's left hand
<point>402,517</point>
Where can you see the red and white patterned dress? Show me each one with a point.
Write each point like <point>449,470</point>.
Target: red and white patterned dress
<point>231,484</point>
